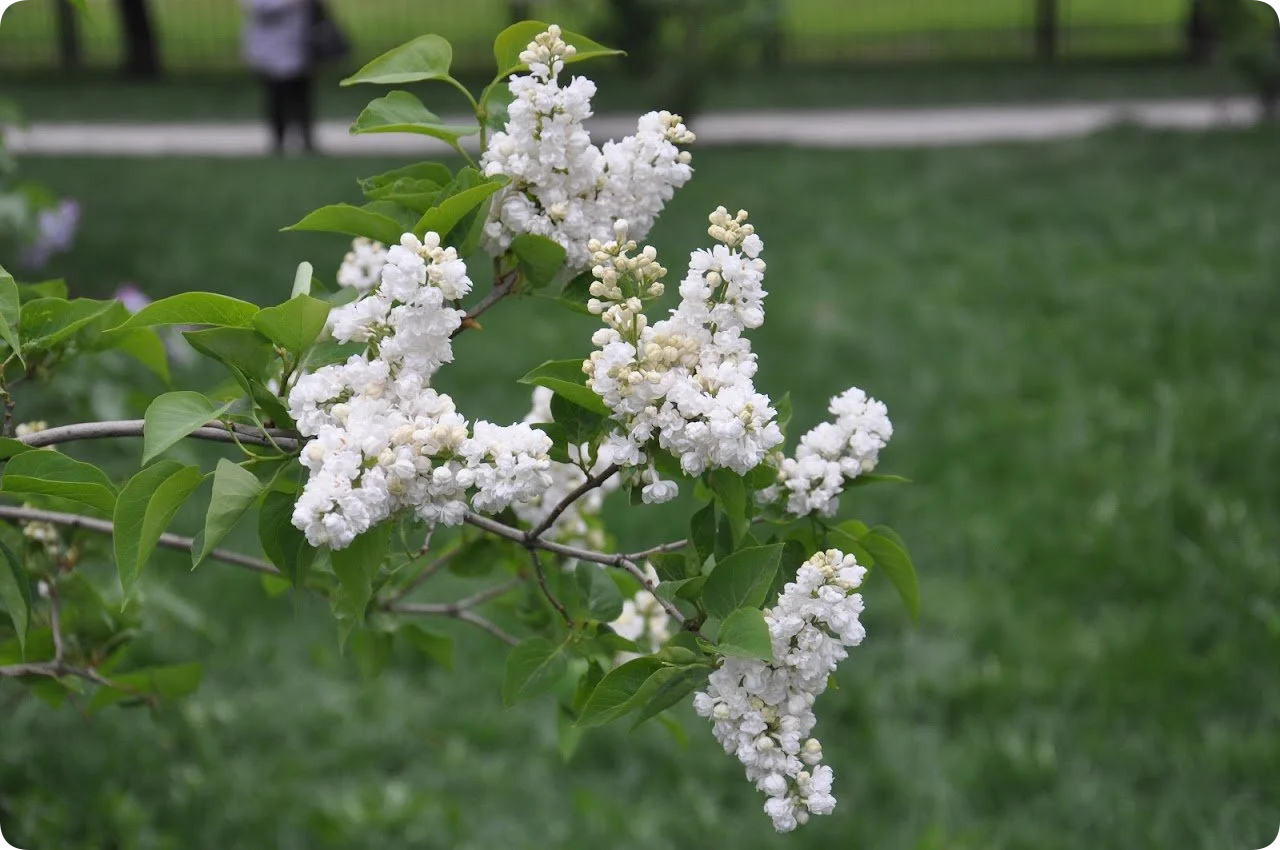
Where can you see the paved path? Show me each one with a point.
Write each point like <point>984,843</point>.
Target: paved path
<point>855,128</point>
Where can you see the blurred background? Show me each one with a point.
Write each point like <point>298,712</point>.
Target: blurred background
<point>1077,339</point>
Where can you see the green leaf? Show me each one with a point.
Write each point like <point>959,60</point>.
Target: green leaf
<point>512,41</point>
<point>50,473</point>
<point>10,314</point>
<point>372,651</point>
<point>172,682</point>
<point>685,682</point>
<point>877,478</point>
<point>580,425</point>
<point>194,308</point>
<point>568,735</point>
<point>46,322</point>
<point>302,279</point>
<point>540,258</point>
<point>142,344</point>
<point>671,566</point>
<point>782,408</point>
<point>295,324</point>
<point>427,57</point>
<point>702,532</point>
<point>624,689</point>
<point>420,173</point>
<point>577,293</point>
<point>741,580</point>
<point>353,221</point>
<point>745,634</point>
<point>143,511</point>
<point>44,289</point>
<point>603,599</point>
<point>15,593</point>
<point>234,490</point>
<point>891,558</point>
<point>284,545</point>
<point>356,566</point>
<point>437,647</point>
<point>243,349</point>
<point>173,416</point>
<point>401,112</point>
<point>534,667</point>
<point>10,447</point>
<point>566,378</point>
<point>731,491</point>
<point>442,218</point>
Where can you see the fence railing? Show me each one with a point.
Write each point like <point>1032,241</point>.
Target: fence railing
<point>203,35</point>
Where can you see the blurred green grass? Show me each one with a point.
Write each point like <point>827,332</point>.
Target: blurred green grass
<point>95,96</point>
<point>1078,345</point>
<point>201,34</point>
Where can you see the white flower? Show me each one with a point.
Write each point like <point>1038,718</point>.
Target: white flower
<point>563,186</point>
<point>831,454</point>
<point>362,266</point>
<point>763,711</point>
<point>686,380</point>
<point>383,440</point>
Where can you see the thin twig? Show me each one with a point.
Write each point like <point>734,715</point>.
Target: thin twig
<point>673,546</point>
<point>476,620</point>
<point>546,591</point>
<point>214,431</point>
<point>168,541</point>
<point>620,561</point>
<point>577,493</point>
<point>502,287</point>
<point>436,565</point>
<point>449,609</point>
<point>55,624</point>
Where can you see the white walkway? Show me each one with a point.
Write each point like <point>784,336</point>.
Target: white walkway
<point>854,128</point>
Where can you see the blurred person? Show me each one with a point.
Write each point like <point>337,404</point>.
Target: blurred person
<point>277,46</point>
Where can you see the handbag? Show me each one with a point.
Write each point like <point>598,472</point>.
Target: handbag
<point>327,41</point>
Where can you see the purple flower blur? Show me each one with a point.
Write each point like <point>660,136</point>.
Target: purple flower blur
<point>55,232</point>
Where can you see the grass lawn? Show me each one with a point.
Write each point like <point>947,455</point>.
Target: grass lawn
<point>1078,345</point>
<point>102,97</point>
<point>204,33</point>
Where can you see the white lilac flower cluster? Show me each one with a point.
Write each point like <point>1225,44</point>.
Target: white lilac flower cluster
<point>577,525</point>
<point>832,454</point>
<point>686,380</point>
<point>563,186</point>
<point>362,266</point>
<point>763,711</point>
<point>383,439</point>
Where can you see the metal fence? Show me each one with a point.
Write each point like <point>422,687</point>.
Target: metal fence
<point>202,35</point>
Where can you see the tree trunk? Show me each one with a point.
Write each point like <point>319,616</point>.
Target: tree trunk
<point>1047,30</point>
<point>517,11</point>
<point>69,56</point>
<point>141,54</point>
<point>1200,35</point>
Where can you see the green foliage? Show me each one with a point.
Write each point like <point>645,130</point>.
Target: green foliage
<point>599,592</point>
<point>744,633</point>
<point>741,580</point>
<point>168,682</point>
<point>356,567</point>
<point>427,57</point>
<point>50,473</point>
<point>235,490</point>
<point>284,545</point>
<point>9,312</point>
<point>566,378</point>
<point>143,511</point>
<point>353,221</point>
<point>402,112</point>
<point>194,308</point>
<point>294,325</point>
<point>534,667</point>
<point>173,416</point>
<point>511,42</point>
<point>540,258</point>
<point>15,593</point>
